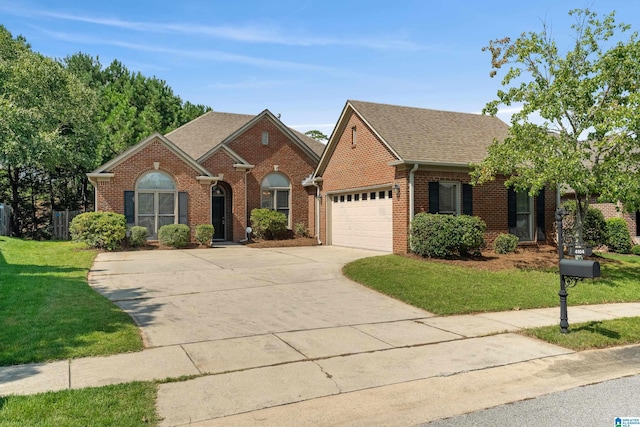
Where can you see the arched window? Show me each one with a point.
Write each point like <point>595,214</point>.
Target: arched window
<point>156,202</point>
<point>276,191</point>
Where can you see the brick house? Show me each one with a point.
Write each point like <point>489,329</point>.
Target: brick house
<point>212,170</point>
<point>383,164</point>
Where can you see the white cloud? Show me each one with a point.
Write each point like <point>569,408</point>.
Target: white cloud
<point>246,33</point>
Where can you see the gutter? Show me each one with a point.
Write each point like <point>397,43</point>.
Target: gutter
<point>412,192</point>
<point>317,208</point>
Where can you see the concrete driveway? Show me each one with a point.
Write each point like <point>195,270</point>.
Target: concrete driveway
<point>192,296</point>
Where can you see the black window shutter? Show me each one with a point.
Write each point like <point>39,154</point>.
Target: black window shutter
<point>540,215</point>
<point>434,197</point>
<point>511,211</point>
<point>129,207</point>
<point>467,199</point>
<point>183,208</point>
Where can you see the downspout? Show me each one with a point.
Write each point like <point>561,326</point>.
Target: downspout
<point>412,192</point>
<point>317,209</point>
<point>246,206</point>
<point>411,197</point>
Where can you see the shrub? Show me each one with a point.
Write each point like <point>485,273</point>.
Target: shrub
<point>138,236</point>
<point>301,230</point>
<point>204,233</point>
<point>635,250</point>
<point>619,238</point>
<point>505,243</point>
<point>594,227</point>
<point>100,230</point>
<point>174,235</point>
<point>441,236</point>
<point>268,224</point>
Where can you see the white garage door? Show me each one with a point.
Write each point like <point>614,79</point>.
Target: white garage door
<point>362,220</point>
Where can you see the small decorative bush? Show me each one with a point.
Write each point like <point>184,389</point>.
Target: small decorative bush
<point>268,224</point>
<point>635,250</point>
<point>594,227</point>
<point>442,236</point>
<point>138,236</point>
<point>619,238</point>
<point>100,230</point>
<point>204,234</point>
<point>301,230</point>
<point>174,235</point>
<point>505,243</point>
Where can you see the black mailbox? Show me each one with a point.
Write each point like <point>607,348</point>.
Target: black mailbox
<point>579,268</point>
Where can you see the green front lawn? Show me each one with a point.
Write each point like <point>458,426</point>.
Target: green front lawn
<point>446,289</point>
<point>121,405</point>
<point>49,312</point>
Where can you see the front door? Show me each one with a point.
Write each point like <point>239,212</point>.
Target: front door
<point>217,213</point>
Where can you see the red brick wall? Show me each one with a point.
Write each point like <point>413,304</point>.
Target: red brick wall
<point>291,161</point>
<point>366,164</point>
<point>110,195</point>
<point>611,210</point>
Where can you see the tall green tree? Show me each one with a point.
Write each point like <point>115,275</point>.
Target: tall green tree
<point>580,112</point>
<point>47,127</point>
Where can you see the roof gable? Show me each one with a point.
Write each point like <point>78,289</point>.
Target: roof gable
<point>418,135</point>
<point>144,143</point>
<point>201,136</point>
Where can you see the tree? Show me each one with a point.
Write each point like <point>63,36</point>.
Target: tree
<point>317,135</point>
<point>588,101</point>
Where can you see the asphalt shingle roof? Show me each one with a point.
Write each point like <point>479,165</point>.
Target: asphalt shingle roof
<point>424,135</point>
<point>205,132</point>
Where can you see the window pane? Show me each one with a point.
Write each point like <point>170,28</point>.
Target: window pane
<point>282,199</point>
<point>523,202</point>
<point>149,222</point>
<point>267,199</point>
<point>166,203</point>
<point>448,197</point>
<point>523,227</point>
<point>165,219</point>
<point>156,181</point>
<point>275,180</point>
<point>145,203</point>
<point>285,212</point>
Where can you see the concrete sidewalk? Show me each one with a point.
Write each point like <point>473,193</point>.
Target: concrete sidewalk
<point>386,373</point>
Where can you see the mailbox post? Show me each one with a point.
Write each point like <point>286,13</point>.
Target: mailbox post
<point>570,270</point>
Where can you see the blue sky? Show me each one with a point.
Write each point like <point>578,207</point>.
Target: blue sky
<point>304,58</point>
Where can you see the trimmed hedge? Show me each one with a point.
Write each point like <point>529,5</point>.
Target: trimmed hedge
<point>100,230</point>
<point>268,224</point>
<point>204,234</point>
<point>505,243</point>
<point>619,238</point>
<point>174,235</point>
<point>442,236</point>
<point>635,250</point>
<point>138,236</point>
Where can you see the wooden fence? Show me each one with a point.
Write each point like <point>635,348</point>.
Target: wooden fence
<point>61,221</point>
<point>5,219</point>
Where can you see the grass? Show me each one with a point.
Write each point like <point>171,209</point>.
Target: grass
<point>446,289</point>
<point>48,311</point>
<point>123,405</point>
<point>591,335</point>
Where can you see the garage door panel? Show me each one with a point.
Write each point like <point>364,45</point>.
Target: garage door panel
<point>364,224</point>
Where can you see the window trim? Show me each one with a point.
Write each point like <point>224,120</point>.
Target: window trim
<point>156,202</point>
<point>274,195</point>
<point>458,194</point>
<point>265,137</point>
<point>531,214</point>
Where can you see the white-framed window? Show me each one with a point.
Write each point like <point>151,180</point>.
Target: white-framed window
<point>524,216</point>
<point>449,198</point>
<point>276,193</point>
<point>156,202</point>
<point>265,137</point>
